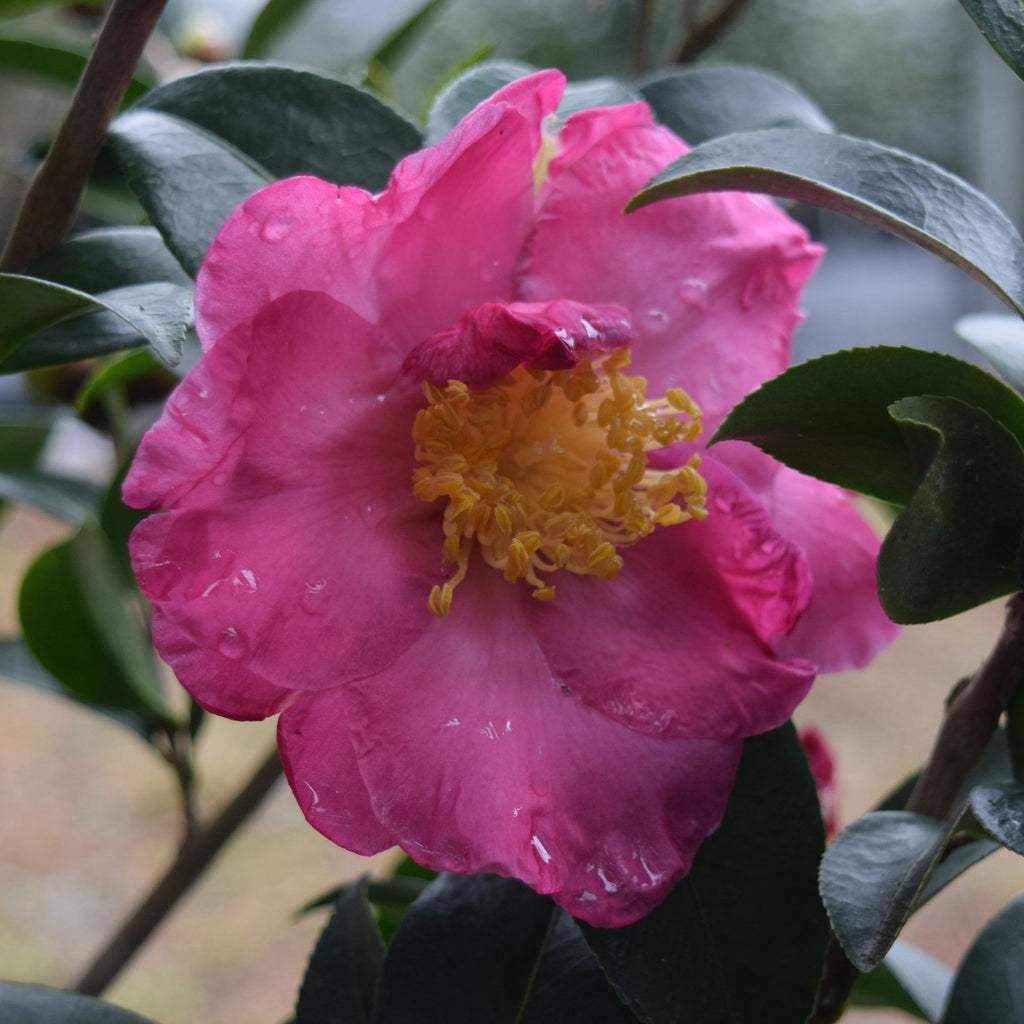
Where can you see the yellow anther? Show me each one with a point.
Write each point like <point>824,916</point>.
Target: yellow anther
<point>548,470</point>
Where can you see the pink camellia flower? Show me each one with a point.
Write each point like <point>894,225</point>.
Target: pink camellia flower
<point>823,768</point>
<point>419,500</point>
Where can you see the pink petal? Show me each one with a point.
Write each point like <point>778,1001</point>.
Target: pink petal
<point>293,525</point>
<point>680,643</point>
<point>493,339</point>
<point>316,750</point>
<point>441,238</point>
<point>502,770</point>
<point>844,625</point>
<point>712,281</point>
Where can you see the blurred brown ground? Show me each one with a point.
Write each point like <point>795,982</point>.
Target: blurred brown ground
<point>88,821</point>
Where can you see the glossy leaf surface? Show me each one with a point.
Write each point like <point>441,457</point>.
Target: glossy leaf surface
<point>703,102</point>
<point>34,1004</point>
<point>1000,810</point>
<point>829,417</point>
<point>899,193</point>
<point>290,121</point>
<point>989,987</point>
<point>909,980</point>
<point>33,312</point>
<point>1000,338</point>
<point>341,978</point>
<point>1002,24</point>
<point>872,875</point>
<point>465,91</point>
<point>955,544</point>
<point>743,936</point>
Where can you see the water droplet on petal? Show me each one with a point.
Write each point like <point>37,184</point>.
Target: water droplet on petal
<point>694,293</point>
<point>276,227</point>
<point>751,289</point>
<point>220,479</point>
<point>232,644</point>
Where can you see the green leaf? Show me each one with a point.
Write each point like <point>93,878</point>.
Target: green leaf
<point>289,121</point>
<point>742,937</point>
<point>594,92</point>
<point>1000,338</point>
<point>909,980</point>
<point>34,1004</point>
<point>1000,810</point>
<point>341,978</point>
<point>118,371</point>
<point>465,91</point>
<point>829,417</point>
<point>483,948</point>
<point>989,987</point>
<point>58,64</point>
<point>187,180</point>
<point>872,876</point>
<point>70,500</point>
<point>401,41</point>
<point>77,619</point>
<point>33,314</point>
<point>902,194</point>
<point>1002,24</point>
<point>105,258</point>
<point>955,544</point>
<point>701,103</point>
<point>274,17</point>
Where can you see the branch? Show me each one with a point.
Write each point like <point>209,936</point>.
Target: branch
<point>50,205</point>
<point>703,34</point>
<point>972,716</point>
<point>195,855</point>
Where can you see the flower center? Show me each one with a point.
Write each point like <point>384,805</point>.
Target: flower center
<point>547,470</point>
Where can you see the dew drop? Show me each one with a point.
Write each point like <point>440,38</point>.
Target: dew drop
<point>232,645</point>
<point>751,289</point>
<point>220,479</point>
<point>722,505</point>
<point>276,227</point>
<point>694,293</point>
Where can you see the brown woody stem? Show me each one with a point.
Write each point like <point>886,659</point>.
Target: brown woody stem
<point>972,716</point>
<point>50,205</point>
<point>195,855</point>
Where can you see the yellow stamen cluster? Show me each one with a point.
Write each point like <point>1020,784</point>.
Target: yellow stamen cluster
<point>547,470</point>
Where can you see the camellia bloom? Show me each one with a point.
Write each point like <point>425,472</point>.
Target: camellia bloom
<point>436,494</point>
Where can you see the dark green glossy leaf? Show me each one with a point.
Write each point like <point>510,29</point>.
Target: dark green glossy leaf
<point>955,544</point>
<point>466,951</point>
<point>1002,24</point>
<point>96,261</point>
<point>465,91</point>
<point>341,978</point>
<point>742,937</point>
<point>34,1004</point>
<point>34,314</point>
<point>273,18</point>
<point>1000,338</point>
<point>289,121</point>
<point>78,621</point>
<point>569,984</point>
<point>872,875</point>
<point>1000,810</point>
<point>902,194</point>
<point>989,987</point>
<point>829,417</point>
<point>58,64</point>
<point>955,861</point>
<point>186,179</point>
<point>701,103</point>
<point>909,980</point>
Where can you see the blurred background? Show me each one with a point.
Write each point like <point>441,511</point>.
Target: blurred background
<point>87,815</point>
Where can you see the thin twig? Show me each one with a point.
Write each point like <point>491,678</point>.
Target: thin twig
<point>49,206</point>
<point>972,716</point>
<point>193,858</point>
<point>702,34</point>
